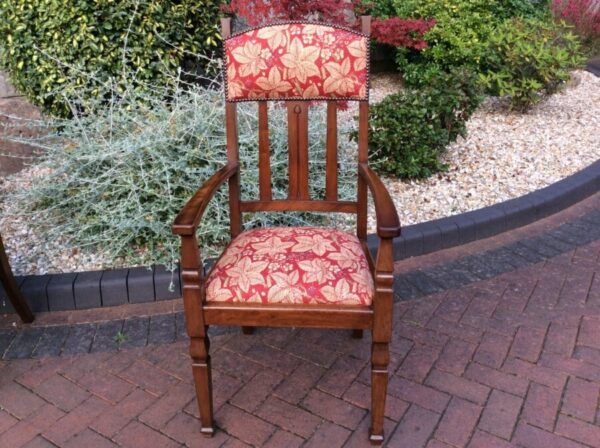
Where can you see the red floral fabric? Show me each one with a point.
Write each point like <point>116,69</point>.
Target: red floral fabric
<point>297,61</point>
<point>299,265</point>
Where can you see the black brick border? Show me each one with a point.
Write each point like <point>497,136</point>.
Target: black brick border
<point>167,328</point>
<point>96,289</point>
<point>135,285</point>
<point>593,66</point>
<point>431,236</point>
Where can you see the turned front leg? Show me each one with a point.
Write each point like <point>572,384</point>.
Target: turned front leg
<point>380,359</point>
<point>199,351</point>
<point>193,296</point>
<point>382,334</point>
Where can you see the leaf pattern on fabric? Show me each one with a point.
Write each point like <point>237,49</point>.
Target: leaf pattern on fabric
<point>297,61</point>
<point>358,49</point>
<point>218,293</point>
<point>285,289</point>
<point>345,258</point>
<point>319,244</point>
<point>298,265</point>
<point>274,85</point>
<point>317,270</point>
<point>300,61</point>
<point>340,294</point>
<point>276,36</point>
<point>273,244</point>
<point>339,80</point>
<point>250,59</point>
<point>246,273</point>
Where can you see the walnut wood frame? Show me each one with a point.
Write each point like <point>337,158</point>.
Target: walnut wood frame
<point>12,288</point>
<point>377,317</point>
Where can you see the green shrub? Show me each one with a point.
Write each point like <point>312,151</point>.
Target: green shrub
<point>379,8</point>
<point>103,38</point>
<point>529,58</point>
<point>460,36</point>
<point>115,178</point>
<point>458,39</point>
<point>505,9</point>
<point>411,129</point>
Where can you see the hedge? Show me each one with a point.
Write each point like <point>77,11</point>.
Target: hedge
<point>51,48</point>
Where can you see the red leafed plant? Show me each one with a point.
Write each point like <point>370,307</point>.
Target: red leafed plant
<point>393,31</point>
<point>257,12</point>
<point>583,14</point>
<point>402,32</point>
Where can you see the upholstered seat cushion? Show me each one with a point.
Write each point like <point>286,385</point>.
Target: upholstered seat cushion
<point>299,265</point>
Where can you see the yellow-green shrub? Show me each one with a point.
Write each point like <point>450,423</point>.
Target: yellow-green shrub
<point>461,33</point>
<point>528,58</point>
<point>51,47</point>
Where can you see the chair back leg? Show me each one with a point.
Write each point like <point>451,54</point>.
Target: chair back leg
<point>7,280</point>
<point>199,351</point>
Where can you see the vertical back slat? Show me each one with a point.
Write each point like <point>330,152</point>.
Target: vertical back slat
<point>234,181</point>
<point>298,146</point>
<point>292,151</point>
<point>232,152</point>
<point>303,152</point>
<point>331,183</point>
<point>363,152</point>
<point>363,132</point>
<point>363,156</point>
<point>264,156</point>
<point>298,150</point>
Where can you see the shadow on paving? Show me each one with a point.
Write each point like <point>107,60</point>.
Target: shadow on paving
<point>512,360</point>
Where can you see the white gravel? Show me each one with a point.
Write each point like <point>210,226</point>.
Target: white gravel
<point>508,154</point>
<point>505,155</point>
<point>31,253</point>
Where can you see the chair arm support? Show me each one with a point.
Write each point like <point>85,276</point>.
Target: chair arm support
<point>188,218</point>
<point>388,223</point>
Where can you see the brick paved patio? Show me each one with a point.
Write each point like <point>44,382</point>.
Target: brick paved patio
<point>513,360</point>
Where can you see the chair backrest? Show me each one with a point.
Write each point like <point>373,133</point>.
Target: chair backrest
<point>298,63</point>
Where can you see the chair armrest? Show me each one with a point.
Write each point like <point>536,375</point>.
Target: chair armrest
<point>388,223</point>
<point>188,218</point>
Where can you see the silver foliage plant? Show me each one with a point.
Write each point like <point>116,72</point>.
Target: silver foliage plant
<point>115,176</point>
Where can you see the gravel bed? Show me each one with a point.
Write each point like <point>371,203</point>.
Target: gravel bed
<point>508,154</point>
<point>505,155</point>
<point>30,253</point>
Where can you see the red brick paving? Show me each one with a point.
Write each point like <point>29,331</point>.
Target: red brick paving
<point>511,361</point>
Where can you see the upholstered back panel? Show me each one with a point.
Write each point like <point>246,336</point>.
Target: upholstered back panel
<point>297,61</point>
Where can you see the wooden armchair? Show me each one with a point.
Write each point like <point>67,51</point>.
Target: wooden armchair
<point>293,277</point>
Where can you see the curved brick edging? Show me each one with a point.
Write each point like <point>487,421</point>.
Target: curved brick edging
<point>93,337</point>
<point>95,289</point>
<point>593,66</point>
<point>84,290</point>
<point>431,236</point>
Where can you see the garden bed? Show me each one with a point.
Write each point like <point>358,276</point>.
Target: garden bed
<point>508,154</point>
<point>505,155</point>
